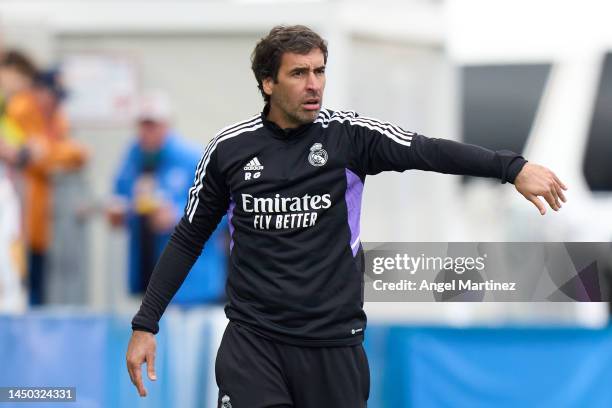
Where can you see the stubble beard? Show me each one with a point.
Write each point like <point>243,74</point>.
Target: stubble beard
<point>296,115</point>
<point>303,117</point>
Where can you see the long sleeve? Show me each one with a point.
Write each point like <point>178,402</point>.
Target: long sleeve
<point>207,202</point>
<point>381,146</point>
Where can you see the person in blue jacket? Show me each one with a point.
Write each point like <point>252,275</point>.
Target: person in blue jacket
<point>150,192</point>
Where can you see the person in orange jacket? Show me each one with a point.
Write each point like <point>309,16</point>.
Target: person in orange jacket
<point>34,105</point>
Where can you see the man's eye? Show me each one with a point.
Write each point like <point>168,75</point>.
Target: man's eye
<point>298,73</point>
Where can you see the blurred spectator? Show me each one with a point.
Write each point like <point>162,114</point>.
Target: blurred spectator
<point>12,250</point>
<point>20,114</point>
<point>151,191</point>
<point>21,118</point>
<point>12,259</point>
<point>33,107</point>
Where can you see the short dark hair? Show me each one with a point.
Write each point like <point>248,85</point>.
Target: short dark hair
<point>268,53</point>
<point>20,62</point>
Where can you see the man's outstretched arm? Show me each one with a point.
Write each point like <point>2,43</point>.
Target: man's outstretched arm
<point>530,179</point>
<point>382,146</point>
<point>207,203</point>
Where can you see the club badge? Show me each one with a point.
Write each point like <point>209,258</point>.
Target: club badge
<point>318,155</point>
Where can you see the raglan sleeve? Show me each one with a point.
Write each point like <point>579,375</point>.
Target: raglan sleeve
<point>382,146</point>
<point>207,202</point>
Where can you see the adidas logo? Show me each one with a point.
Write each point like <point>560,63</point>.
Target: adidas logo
<point>254,165</point>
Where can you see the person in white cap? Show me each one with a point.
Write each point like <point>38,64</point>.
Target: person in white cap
<point>149,195</point>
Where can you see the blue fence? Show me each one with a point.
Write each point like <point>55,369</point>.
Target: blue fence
<point>410,366</point>
<point>501,367</point>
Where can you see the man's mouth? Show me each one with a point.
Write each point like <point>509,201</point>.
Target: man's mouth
<point>312,104</point>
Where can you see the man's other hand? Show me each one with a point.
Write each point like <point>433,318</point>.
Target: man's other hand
<point>141,349</point>
<point>534,180</point>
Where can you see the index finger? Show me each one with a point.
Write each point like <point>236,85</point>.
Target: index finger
<point>136,377</point>
<point>558,180</point>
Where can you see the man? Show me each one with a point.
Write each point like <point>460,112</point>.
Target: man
<point>150,189</point>
<point>291,181</point>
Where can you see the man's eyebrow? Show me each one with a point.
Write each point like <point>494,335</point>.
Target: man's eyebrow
<point>305,68</point>
<point>299,69</point>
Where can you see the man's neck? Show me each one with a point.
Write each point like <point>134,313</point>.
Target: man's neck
<point>280,119</point>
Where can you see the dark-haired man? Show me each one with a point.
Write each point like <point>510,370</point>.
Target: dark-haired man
<point>291,180</point>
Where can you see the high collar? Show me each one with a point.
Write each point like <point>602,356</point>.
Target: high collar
<point>278,132</point>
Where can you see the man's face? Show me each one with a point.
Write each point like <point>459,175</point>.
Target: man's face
<point>151,134</point>
<point>297,94</point>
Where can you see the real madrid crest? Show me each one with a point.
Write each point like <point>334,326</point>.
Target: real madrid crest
<point>318,155</point>
<point>225,402</point>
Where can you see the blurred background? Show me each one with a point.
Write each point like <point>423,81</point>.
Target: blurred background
<point>107,106</point>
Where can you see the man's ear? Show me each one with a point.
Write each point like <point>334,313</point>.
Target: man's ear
<point>268,85</point>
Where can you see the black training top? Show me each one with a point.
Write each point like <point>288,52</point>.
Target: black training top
<point>293,199</point>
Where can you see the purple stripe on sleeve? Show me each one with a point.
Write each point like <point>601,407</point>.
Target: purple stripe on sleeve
<point>230,214</point>
<point>352,197</point>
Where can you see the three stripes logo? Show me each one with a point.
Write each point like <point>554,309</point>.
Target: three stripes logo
<point>253,166</point>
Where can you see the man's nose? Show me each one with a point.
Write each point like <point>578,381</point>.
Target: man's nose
<point>314,82</point>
